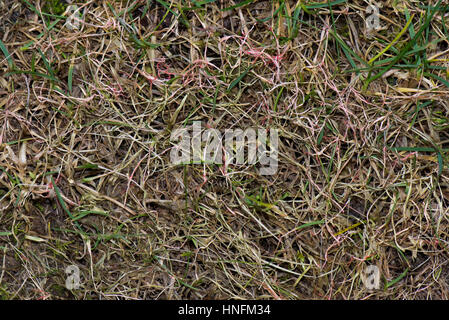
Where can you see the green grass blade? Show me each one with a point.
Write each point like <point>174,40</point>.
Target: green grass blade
<point>7,55</point>
<point>238,79</point>
<point>393,282</point>
<point>325,4</point>
<point>309,224</point>
<point>445,82</point>
<point>396,39</point>
<point>63,205</point>
<point>405,50</point>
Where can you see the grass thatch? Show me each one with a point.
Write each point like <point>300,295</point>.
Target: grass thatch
<point>86,179</point>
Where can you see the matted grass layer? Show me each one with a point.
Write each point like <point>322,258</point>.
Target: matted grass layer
<point>85,171</point>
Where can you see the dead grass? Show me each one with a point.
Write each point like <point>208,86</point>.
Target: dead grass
<point>362,177</point>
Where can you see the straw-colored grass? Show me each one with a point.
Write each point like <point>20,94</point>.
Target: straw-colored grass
<point>86,179</point>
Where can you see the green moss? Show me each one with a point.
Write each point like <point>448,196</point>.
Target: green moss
<point>55,7</point>
<point>4,294</point>
<point>58,290</point>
